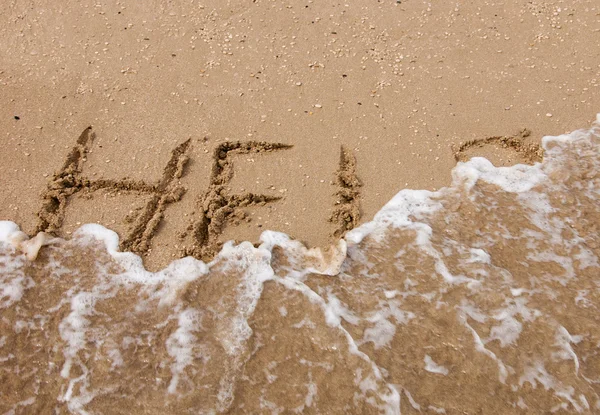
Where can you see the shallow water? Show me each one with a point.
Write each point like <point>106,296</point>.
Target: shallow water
<point>482,297</point>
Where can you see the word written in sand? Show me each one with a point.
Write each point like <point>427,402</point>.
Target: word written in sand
<point>215,207</point>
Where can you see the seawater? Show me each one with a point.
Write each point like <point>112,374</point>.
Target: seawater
<point>482,297</point>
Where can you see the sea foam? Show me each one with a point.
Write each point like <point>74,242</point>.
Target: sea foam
<point>491,283</point>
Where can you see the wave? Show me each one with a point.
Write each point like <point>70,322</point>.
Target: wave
<point>481,297</point>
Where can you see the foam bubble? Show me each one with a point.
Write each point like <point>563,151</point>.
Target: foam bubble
<point>433,367</point>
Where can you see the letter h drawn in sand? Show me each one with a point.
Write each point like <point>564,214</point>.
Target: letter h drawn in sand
<point>69,180</point>
<point>217,207</point>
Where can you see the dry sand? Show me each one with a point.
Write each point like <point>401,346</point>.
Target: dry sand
<point>401,87</point>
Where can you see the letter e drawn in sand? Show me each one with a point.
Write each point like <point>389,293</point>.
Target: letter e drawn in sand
<point>216,207</point>
<point>69,180</point>
<point>346,213</point>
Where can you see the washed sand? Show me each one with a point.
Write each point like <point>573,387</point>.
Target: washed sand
<point>182,126</point>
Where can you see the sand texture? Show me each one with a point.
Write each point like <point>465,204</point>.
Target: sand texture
<point>480,298</point>
<point>401,86</point>
<point>206,207</point>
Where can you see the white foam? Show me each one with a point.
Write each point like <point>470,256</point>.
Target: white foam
<point>398,212</point>
<point>256,264</point>
<point>480,347</point>
<point>311,394</point>
<point>13,281</point>
<point>409,209</point>
<point>479,256</point>
<point>515,179</point>
<point>73,328</point>
<point>176,274</point>
<point>408,206</point>
<point>8,231</point>
<point>13,284</point>
<point>180,344</point>
<point>564,339</point>
<point>509,329</point>
<point>305,322</point>
<point>433,367</point>
<point>536,373</point>
<point>411,400</point>
<point>383,330</point>
<point>25,402</point>
<point>333,311</point>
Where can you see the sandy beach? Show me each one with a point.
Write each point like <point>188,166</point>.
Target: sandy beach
<point>399,85</point>
<point>374,207</point>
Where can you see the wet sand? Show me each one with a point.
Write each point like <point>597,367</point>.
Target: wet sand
<point>181,126</point>
<point>481,298</point>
